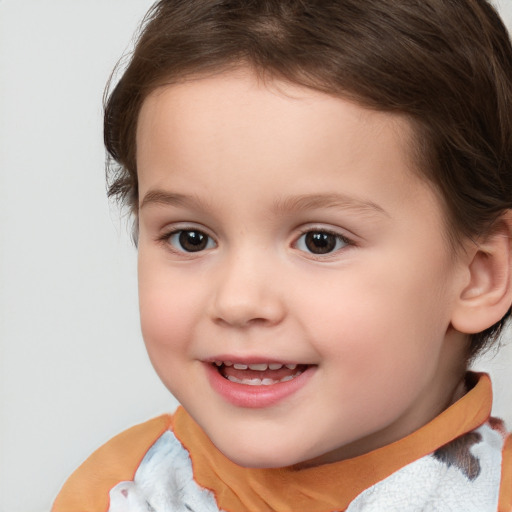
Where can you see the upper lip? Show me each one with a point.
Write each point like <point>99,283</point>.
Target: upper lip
<point>253,360</point>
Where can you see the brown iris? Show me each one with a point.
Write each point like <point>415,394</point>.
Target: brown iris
<point>319,242</point>
<point>193,241</point>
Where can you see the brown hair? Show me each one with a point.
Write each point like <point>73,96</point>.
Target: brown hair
<point>444,64</point>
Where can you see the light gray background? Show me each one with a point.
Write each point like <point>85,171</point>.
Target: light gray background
<point>73,369</point>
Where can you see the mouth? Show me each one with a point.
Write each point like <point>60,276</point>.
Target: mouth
<point>259,374</point>
<point>257,383</point>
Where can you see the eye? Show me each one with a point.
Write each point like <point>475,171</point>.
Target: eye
<point>321,242</point>
<point>190,240</point>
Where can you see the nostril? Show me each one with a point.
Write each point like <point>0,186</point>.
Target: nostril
<point>243,320</point>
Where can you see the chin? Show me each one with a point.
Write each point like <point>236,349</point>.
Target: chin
<point>261,459</point>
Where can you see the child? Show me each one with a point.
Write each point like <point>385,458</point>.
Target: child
<point>321,192</point>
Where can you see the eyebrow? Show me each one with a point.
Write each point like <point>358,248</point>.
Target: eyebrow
<point>164,198</point>
<point>333,200</point>
<point>281,206</point>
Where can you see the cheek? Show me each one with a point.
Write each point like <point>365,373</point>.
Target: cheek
<point>167,308</point>
<point>166,330</point>
<point>165,319</point>
<point>379,319</point>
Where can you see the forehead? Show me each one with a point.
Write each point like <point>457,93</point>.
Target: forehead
<point>237,128</point>
<point>256,99</point>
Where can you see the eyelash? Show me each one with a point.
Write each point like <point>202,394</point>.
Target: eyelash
<point>337,237</point>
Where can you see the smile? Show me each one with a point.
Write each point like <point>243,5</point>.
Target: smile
<point>256,383</point>
<point>259,374</point>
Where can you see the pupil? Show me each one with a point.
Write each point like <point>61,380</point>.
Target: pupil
<point>320,243</point>
<point>193,241</point>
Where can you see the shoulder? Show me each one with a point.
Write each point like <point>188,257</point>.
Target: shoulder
<point>506,477</point>
<point>87,489</point>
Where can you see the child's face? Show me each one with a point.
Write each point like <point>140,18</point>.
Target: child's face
<point>282,226</point>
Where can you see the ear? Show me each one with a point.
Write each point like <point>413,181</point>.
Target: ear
<point>487,294</point>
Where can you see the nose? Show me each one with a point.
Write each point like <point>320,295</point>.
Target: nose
<point>248,292</point>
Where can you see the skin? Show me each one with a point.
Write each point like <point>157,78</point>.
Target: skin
<point>253,166</point>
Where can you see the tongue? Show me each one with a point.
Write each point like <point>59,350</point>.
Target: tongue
<point>230,371</point>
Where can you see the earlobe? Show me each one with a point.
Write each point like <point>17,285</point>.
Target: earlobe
<point>487,295</point>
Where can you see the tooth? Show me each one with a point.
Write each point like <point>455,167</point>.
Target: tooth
<point>238,366</point>
<point>287,378</point>
<point>291,366</point>
<point>260,367</point>
<point>269,382</point>
<point>275,366</point>
<point>218,363</point>
<point>252,382</point>
<point>234,379</point>
<point>228,363</point>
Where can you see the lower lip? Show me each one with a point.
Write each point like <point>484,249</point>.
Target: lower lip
<point>243,395</point>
